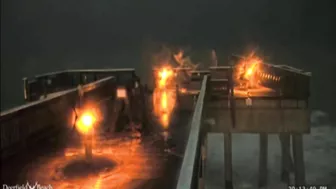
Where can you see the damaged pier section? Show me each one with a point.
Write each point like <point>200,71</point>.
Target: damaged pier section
<point>197,145</point>
<point>277,106</point>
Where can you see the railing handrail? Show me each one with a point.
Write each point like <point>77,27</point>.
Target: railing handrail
<point>104,70</point>
<point>85,87</point>
<point>187,172</point>
<point>39,85</point>
<point>83,70</point>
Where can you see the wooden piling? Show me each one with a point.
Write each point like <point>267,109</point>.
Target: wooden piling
<point>263,151</point>
<point>299,168</point>
<point>285,157</point>
<point>228,160</point>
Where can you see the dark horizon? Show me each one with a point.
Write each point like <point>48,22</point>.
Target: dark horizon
<point>46,36</point>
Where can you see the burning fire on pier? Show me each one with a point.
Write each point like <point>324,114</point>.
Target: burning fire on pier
<point>247,73</point>
<point>164,95</point>
<point>86,122</point>
<point>249,76</point>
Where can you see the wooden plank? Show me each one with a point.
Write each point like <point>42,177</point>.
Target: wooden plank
<point>214,162</point>
<point>260,120</point>
<point>268,103</point>
<point>296,120</point>
<point>220,72</point>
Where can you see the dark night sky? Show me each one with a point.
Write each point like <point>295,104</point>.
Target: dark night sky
<point>48,35</point>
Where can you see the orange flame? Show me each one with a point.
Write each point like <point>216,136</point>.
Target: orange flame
<point>164,100</point>
<point>164,76</point>
<point>164,95</point>
<point>88,117</point>
<point>248,69</point>
<point>165,119</point>
<point>183,90</point>
<point>85,122</point>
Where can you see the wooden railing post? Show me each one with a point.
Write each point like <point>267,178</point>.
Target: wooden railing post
<point>26,91</point>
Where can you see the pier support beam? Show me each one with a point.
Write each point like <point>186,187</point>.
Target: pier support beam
<point>228,160</point>
<point>286,160</point>
<point>263,160</point>
<point>299,168</point>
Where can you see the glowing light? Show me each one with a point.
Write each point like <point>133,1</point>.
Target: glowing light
<point>98,184</point>
<point>249,72</point>
<point>121,93</point>
<point>164,95</point>
<point>164,76</point>
<point>164,100</point>
<point>183,90</point>
<point>86,122</point>
<point>165,119</point>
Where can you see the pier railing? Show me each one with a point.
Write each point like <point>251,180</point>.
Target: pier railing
<point>42,85</point>
<point>286,113</point>
<point>37,121</point>
<point>192,163</point>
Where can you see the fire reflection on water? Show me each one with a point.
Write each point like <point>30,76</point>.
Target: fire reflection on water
<point>132,162</point>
